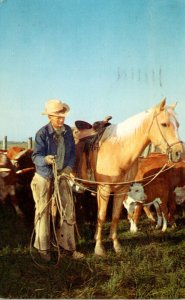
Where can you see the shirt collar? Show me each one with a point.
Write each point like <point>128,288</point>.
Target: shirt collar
<point>52,130</point>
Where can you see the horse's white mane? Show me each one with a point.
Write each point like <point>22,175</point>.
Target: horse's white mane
<point>132,125</point>
<point>125,128</point>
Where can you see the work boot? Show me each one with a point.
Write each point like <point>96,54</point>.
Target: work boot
<point>77,255</point>
<point>45,255</point>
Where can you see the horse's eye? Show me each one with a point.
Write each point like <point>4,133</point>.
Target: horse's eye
<point>164,125</point>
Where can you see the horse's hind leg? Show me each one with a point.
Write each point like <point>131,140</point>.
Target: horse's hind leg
<point>102,199</point>
<point>117,208</point>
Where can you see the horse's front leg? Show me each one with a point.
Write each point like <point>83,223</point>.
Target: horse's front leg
<point>117,208</point>
<point>102,200</point>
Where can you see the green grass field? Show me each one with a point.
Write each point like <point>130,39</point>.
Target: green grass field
<point>11,143</point>
<point>151,264</point>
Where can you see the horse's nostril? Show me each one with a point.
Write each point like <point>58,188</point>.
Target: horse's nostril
<point>177,155</point>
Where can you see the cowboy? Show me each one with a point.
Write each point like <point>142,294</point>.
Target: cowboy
<point>54,142</point>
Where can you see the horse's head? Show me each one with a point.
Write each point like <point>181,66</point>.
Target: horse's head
<point>163,131</point>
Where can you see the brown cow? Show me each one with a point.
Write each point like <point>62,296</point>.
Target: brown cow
<point>8,181</point>
<point>22,162</point>
<point>16,178</point>
<point>161,187</point>
<point>20,157</point>
<point>13,151</point>
<point>25,169</point>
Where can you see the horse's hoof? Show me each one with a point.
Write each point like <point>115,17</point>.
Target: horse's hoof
<point>174,225</point>
<point>157,227</point>
<point>164,229</point>
<point>99,250</point>
<point>133,232</point>
<point>117,247</point>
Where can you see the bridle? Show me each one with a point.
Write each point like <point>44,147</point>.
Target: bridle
<point>169,146</point>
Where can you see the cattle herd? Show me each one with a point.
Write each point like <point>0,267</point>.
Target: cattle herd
<point>16,172</point>
<point>158,183</point>
<point>162,184</point>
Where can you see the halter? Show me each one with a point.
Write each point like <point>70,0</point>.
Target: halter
<point>169,146</point>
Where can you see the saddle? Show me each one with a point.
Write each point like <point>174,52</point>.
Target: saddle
<point>87,137</point>
<point>84,129</point>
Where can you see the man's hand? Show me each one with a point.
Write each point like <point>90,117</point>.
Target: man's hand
<point>66,171</point>
<point>49,159</point>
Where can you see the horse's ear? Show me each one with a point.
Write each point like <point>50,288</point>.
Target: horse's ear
<point>173,105</point>
<point>159,107</point>
<point>162,104</point>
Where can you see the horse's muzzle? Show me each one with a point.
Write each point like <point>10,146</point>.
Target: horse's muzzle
<point>174,157</point>
<point>175,151</point>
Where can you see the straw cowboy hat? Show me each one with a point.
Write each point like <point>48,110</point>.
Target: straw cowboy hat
<point>55,107</point>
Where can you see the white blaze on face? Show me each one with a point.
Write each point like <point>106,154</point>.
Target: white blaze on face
<point>174,123</point>
<point>179,195</point>
<point>137,193</point>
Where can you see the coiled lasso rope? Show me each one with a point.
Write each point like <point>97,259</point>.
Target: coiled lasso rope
<point>55,203</point>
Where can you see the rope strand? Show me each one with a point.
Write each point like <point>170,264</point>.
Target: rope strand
<point>122,183</point>
<point>55,200</point>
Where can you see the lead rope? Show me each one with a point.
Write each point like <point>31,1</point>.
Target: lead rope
<point>55,200</point>
<point>77,180</point>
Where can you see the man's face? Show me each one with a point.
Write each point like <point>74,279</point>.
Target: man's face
<point>57,122</point>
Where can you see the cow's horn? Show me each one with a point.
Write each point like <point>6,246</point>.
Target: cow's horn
<point>5,170</point>
<point>20,154</point>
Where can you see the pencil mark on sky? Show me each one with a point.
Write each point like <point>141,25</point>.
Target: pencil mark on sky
<point>148,76</point>
<point>160,77</point>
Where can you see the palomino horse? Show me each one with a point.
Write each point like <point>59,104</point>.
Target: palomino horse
<point>115,160</point>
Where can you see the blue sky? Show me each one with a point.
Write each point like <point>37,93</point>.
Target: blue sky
<point>102,57</point>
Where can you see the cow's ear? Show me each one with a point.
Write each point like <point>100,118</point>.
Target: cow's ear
<point>173,105</point>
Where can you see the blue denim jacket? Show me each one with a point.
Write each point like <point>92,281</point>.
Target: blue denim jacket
<point>45,145</point>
